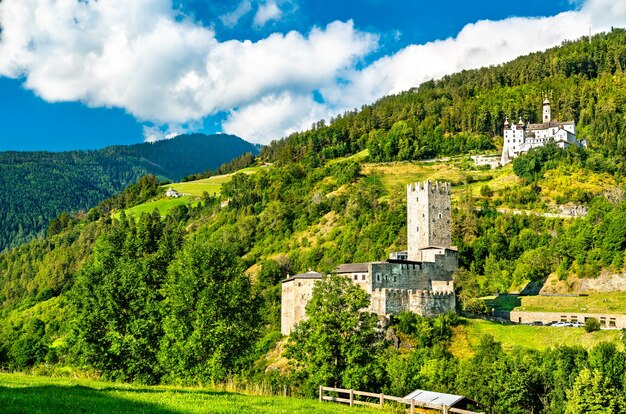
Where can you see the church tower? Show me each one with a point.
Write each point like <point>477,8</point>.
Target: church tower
<point>428,217</point>
<point>547,116</point>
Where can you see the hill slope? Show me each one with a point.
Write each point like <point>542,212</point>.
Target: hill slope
<point>36,186</point>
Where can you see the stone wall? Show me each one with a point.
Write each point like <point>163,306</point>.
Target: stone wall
<point>607,321</point>
<point>422,302</point>
<point>411,275</point>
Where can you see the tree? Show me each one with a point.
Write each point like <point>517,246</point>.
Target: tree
<point>210,321</point>
<point>592,393</point>
<point>592,324</point>
<point>337,345</point>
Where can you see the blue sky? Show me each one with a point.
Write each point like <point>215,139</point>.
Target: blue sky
<point>87,75</point>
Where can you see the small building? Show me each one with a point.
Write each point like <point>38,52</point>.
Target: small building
<point>172,193</point>
<point>493,161</point>
<point>449,400</point>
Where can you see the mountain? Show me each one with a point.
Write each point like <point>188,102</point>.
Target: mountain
<point>35,187</point>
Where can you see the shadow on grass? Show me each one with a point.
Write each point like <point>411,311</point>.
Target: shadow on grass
<point>72,399</point>
<point>504,303</point>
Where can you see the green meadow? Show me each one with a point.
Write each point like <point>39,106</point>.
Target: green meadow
<point>21,393</point>
<point>211,185</point>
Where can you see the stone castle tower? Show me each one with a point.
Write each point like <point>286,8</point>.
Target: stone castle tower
<point>428,217</point>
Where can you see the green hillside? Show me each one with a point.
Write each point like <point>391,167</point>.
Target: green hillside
<point>190,294</point>
<point>35,187</point>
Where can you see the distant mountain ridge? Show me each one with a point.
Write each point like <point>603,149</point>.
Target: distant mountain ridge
<point>37,186</point>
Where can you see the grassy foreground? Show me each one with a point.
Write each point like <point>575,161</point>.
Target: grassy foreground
<point>21,393</point>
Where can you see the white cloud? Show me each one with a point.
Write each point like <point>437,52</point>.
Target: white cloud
<point>267,11</point>
<point>168,70</point>
<point>231,19</point>
<point>275,116</point>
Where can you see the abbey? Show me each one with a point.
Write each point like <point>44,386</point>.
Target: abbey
<point>520,138</point>
<point>417,280</point>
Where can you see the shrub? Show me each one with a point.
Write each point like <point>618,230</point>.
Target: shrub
<point>592,325</point>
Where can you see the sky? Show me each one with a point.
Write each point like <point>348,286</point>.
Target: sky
<point>85,74</point>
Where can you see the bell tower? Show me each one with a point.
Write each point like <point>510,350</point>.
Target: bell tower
<point>547,116</point>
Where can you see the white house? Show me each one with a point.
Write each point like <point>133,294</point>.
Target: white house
<point>172,193</point>
<point>520,138</point>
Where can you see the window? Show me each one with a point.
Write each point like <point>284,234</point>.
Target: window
<point>417,228</point>
<point>356,277</point>
<point>362,277</point>
<point>395,279</point>
<point>417,199</point>
<point>563,318</point>
<point>440,215</point>
<point>378,277</point>
<point>612,322</point>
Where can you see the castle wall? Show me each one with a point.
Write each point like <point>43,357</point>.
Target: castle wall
<point>422,302</point>
<point>295,296</point>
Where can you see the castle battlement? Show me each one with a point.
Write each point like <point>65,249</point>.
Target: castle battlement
<point>440,187</point>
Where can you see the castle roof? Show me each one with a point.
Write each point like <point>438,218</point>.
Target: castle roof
<point>308,275</point>
<point>547,125</point>
<point>353,267</point>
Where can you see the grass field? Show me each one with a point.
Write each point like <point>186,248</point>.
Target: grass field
<point>610,302</point>
<point>164,205</point>
<point>467,336</point>
<point>30,394</point>
<point>211,185</point>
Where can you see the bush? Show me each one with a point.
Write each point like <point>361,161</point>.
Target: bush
<point>592,325</point>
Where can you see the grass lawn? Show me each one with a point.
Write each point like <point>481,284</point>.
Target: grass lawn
<point>164,205</point>
<point>467,336</point>
<point>30,394</point>
<point>610,302</point>
<point>212,185</point>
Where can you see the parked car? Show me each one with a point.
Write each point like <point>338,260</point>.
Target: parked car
<point>578,324</point>
<point>561,324</point>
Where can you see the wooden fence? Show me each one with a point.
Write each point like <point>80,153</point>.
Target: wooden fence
<point>381,398</point>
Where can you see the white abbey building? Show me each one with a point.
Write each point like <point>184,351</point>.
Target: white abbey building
<point>520,138</point>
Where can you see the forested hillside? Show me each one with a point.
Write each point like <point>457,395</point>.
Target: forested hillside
<point>194,297</point>
<point>464,111</point>
<point>35,187</point>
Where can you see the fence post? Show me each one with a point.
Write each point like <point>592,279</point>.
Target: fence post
<point>321,391</point>
<point>412,406</point>
<point>351,396</point>
<point>445,409</point>
<point>382,399</point>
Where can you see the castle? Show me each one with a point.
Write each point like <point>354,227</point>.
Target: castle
<point>417,280</point>
<point>520,138</point>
